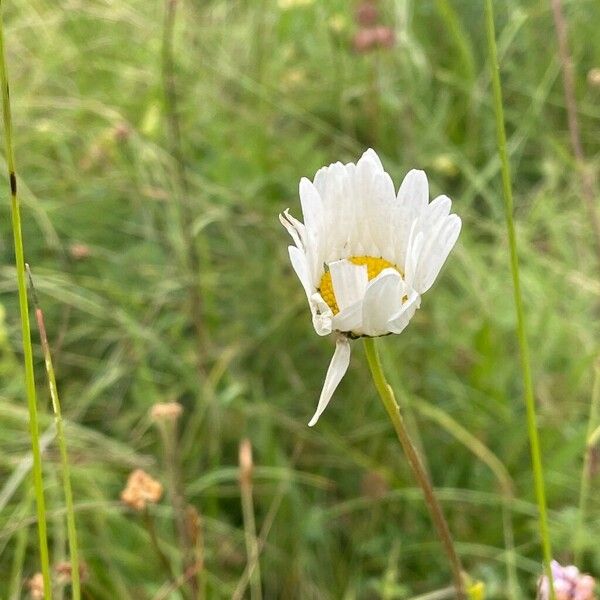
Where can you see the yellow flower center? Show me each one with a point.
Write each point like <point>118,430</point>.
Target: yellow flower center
<point>374,266</point>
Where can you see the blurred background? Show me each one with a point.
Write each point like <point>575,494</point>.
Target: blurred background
<point>156,142</point>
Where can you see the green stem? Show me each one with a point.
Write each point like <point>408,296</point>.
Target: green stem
<point>593,431</point>
<point>25,328</point>
<point>168,432</point>
<point>62,445</point>
<point>520,313</point>
<point>151,529</point>
<point>389,401</point>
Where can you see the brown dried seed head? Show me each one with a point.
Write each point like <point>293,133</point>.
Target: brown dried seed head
<point>593,77</point>
<point>193,523</point>
<point>366,13</point>
<point>166,411</point>
<point>364,40</point>
<point>122,131</point>
<point>373,485</point>
<point>36,586</point>
<point>140,490</point>
<point>63,572</point>
<point>385,36</point>
<point>79,251</point>
<point>246,464</point>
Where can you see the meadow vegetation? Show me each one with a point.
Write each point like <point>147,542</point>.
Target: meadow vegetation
<point>151,177</point>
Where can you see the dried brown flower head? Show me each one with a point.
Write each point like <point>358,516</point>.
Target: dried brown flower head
<point>246,464</point>
<point>593,77</point>
<point>122,131</point>
<point>366,13</point>
<point>35,585</point>
<point>63,572</point>
<point>371,38</point>
<point>79,251</point>
<point>385,36</point>
<point>166,411</point>
<point>364,40</point>
<point>373,485</point>
<point>140,490</point>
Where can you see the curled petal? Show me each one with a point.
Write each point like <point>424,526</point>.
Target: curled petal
<point>337,369</point>
<point>383,299</point>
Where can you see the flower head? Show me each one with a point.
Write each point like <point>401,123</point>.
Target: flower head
<point>140,490</point>
<point>365,254</point>
<point>166,411</point>
<point>36,586</point>
<point>569,584</point>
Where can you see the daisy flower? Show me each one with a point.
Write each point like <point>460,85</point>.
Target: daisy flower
<point>365,254</point>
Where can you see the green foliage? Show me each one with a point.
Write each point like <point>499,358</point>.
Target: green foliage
<point>267,93</point>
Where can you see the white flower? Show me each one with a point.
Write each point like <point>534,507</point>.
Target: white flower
<point>364,255</point>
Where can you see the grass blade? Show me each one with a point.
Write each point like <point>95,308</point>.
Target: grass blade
<point>534,441</point>
<point>62,445</point>
<point>25,326</point>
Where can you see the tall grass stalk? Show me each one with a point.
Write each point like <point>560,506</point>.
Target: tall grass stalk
<point>568,72</point>
<point>38,482</point>
<point>593,432</point>
<point>252,551</point>
<point>191,257</point>
<point>62,444</point>
<point>169,434</point>
<point>391,406</point>
<point>518,299</point>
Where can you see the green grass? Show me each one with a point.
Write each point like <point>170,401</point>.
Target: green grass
<point>267,95</point>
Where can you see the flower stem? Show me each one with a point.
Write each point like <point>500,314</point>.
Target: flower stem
<point>169,434</point>
<point>151,529</point>
<point>62,444</point>
<point>520,313</point>
<point>586,475</point>
<point>435,510</point>
<point>25,327</point>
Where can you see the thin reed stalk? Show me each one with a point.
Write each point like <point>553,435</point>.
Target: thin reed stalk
<point>568,73</point>
<point>536,457</point>
<point>62,444</point>
<point>246,468</point>
<point>191,256</point>
<point>593,431</point>
<point>168,431</point>
<point>268,521</point>
<point>435,510</point>
<point>38,482</point>
<point>162,557</point>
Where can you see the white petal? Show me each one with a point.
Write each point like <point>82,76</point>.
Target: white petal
<point>312,205</point>
<point>337,369</point>
<point>402,318</point>
<point>313,213</point>
<point>412,200</point>
<point>349,281</point>
<point>439,208</point>
<point>298,260</point>
<point>349,319</point>
<point>294,227</point>
<point>371,157</point>
<point>414,191</point>
<point>383,299</point>
<point>321,313</point>
<point>416,241</point>
<point>433,251</point>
